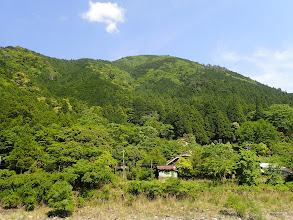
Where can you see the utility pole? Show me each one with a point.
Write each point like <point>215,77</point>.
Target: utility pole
<point>123,165</point>
<point>0,160</point>
<point>152,169</point>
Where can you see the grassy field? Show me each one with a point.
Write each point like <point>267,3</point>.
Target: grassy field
<point>227,201</point>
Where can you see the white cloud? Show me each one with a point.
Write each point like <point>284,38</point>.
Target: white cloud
<point>270,67</point>
<point>108,13</point>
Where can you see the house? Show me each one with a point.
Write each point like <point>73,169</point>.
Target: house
<point>170,169</point>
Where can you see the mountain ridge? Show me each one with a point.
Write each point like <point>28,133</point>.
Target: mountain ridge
<point>145,59</point>
<point>127,89</point>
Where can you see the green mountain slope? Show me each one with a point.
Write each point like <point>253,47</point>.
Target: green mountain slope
<point>156,71</point>
<point>193,98</point>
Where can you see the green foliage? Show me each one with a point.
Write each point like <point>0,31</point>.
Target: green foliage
<point>134,187</point>
<point>153,189</point>
<point>81,202</point>
<point>11,201</point>
<point>92,116</point>
<point>282,154</point>
<point>257,132</point>
<point>290,186</point>
<point>25,154</point>
<point>29,188</point>
<point>274,175</point>
<point>244,207</point>
<point>261,149</point>
<point>217,124</point>
<point>218,160</point>
<point>152,120</point>
<point>248,169</point>
<point>173,187</point>
<point>184,168</point>
<point>235,111</point>
<point>236,202</point>
<point>281,116</point>
<point>146,167</point>
<point>61,197</point>
<point>105,193</point>
<point>30,202</point>
<point>85,174</point>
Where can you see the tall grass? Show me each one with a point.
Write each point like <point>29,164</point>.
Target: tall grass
<point>175,200</point>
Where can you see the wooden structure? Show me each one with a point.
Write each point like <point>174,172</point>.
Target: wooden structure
<point>170,169</point>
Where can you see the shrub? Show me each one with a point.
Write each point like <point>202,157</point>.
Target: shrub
<point>134,188</point>
<point>80,202</point>
<point>174,187</point>
<point>11,201</point>
<point>28,194</point>
<point>290,186</point>
<point>153,189</point>
<point>236,202</point>
<point>248,170</point>
<point>30,203</point>
<point>129,200</point>
<point>105,194</point>
<point>244,207</point>
<point>274,175</point>
<point>61,198</point>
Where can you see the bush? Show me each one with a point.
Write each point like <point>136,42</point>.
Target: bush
<point>29,195</point>
<point>81,202</point>
<point>105,194</point>
<point>236,202</point>
<point>290,186</point>
<point>153,189</point>
<point>11,201</point>
<point>134,188</point>
<point>61,198</point>
<point>30,203</point>
<point>129,200</point>
<point>274,175</point>
<point>244,207</point>
<point>174,187</point>
<point>248,170</point>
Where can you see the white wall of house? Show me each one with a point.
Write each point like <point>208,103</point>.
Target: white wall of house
<point>168,174</point>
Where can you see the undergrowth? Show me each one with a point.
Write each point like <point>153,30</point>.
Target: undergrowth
<point>176,199</point>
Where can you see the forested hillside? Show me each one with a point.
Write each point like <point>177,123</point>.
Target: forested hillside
<point>64,123</point>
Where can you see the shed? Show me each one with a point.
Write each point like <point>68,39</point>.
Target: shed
<point>170,169</point>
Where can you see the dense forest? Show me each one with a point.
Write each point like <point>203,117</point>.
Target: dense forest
<point>65,123</point>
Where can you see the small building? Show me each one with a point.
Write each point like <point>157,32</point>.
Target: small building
<point>170,169</point>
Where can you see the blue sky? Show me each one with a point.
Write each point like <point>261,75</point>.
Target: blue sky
<point>253,38</point>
